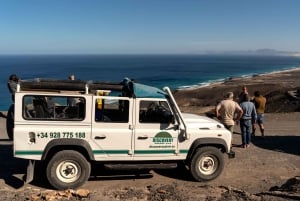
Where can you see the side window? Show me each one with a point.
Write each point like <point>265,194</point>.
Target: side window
<point>112,110</point>
<point>155,112</point>
<point>37,107</point>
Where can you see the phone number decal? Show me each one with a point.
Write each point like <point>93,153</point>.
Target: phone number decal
<point>55,135</point>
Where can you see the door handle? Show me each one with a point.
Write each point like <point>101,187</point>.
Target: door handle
<point>100,137</point>
<point>142,137</point>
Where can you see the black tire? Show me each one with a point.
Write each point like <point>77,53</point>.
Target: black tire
<point>207,164</point>
<point>10,122</point>
<point>68,169</point>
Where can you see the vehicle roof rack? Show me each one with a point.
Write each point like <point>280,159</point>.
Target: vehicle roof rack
<point>68,85</point>
<point>128,87</point>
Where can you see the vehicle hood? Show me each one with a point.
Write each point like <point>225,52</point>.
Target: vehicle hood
<point>201,122</point>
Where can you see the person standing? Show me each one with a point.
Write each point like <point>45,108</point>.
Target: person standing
<point>228,111</point>
<point>243,92</point>
<point>260,105</point>
<point>12,85</point>
<point>247,120</point>
<point>71,101</point>
<point>72,77</point>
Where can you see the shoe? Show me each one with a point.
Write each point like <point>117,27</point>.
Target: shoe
<point>248,145</point>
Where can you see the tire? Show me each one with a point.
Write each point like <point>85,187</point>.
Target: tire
<point>68,160</point>
<point>207,164</point>
<point>10,122</point>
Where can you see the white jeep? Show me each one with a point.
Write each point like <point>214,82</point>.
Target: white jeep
<point>71,124</point>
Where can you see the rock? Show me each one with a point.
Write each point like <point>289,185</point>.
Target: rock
<point>82,193</point>
<point>292,185</point>
<point>35,197</point>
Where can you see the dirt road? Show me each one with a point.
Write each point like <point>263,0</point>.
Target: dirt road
<point>269,162</point>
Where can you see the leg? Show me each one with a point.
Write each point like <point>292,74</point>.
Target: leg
<point>260,121</point>
<point>262,129</point>
<point>248,126</point>
<point>253,129</point>
<point>243,133</point>
<point>230,128</point>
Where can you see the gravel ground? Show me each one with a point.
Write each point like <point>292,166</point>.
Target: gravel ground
<point>288,191</point>
<point>268,171</point>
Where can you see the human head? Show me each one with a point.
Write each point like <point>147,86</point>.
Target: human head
<point>256,93</point>
<point>72,77</point>
<point>245,89</point>
<point>229,95</point>
<point>13,77</point>
<point>245,98</point>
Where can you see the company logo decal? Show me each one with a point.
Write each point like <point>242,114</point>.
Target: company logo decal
<point>162,140</point>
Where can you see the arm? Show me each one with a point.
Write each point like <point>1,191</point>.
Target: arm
<point>217,110</point>
<point>239,112</point>
<point>254,115</point>
<point>12,86</point>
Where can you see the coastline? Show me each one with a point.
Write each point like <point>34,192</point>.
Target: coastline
<point>274,86</point>
<point>201,99</point>
<point>244,77</point>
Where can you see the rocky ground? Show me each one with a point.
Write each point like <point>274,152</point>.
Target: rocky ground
<point>268,171</point>
<point>169,192</point>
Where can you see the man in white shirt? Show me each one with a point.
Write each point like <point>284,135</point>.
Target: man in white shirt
<point>229,111</point>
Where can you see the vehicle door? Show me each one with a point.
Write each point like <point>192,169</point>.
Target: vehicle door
<point>41,118</point>
<point>156,135</point>
<point>112,128</point>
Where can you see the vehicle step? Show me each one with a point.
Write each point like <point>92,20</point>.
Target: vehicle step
<point>141,166</point>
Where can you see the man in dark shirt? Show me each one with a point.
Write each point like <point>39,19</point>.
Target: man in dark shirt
<point>260,105</point>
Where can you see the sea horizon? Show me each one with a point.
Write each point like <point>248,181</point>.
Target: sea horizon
<point>177,71</point>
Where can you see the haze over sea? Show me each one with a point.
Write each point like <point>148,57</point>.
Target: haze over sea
<point>175,71</point>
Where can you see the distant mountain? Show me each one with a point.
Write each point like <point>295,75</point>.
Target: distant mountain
<point>262,52</point>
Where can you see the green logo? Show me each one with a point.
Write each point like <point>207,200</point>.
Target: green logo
<point>163,138</point>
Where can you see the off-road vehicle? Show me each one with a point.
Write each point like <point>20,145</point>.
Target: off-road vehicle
<point>70,125</point>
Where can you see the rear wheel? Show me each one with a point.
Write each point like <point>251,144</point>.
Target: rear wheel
<point>207,164</point>
<point>10,122</point>
<point>68,169</point>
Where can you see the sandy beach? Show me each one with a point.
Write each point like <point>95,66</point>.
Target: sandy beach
<point>270,163</point>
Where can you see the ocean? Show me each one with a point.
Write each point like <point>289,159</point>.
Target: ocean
<point>175,71</point>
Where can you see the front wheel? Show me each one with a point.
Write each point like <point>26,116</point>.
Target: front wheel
<point>68,169</point>
<point>207,164</point>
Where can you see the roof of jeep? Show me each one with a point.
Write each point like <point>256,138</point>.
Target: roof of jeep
<point>128,87</point>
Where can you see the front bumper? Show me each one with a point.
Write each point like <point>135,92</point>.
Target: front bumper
<point>231,154</point>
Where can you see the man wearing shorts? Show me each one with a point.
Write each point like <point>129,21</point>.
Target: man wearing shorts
<point>228,111</point>
<point>260,105</point>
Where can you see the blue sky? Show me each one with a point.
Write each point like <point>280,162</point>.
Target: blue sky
<point>147,26</point>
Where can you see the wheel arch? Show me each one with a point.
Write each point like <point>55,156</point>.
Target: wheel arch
<point>80,145</point>
<point>204,142</point>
